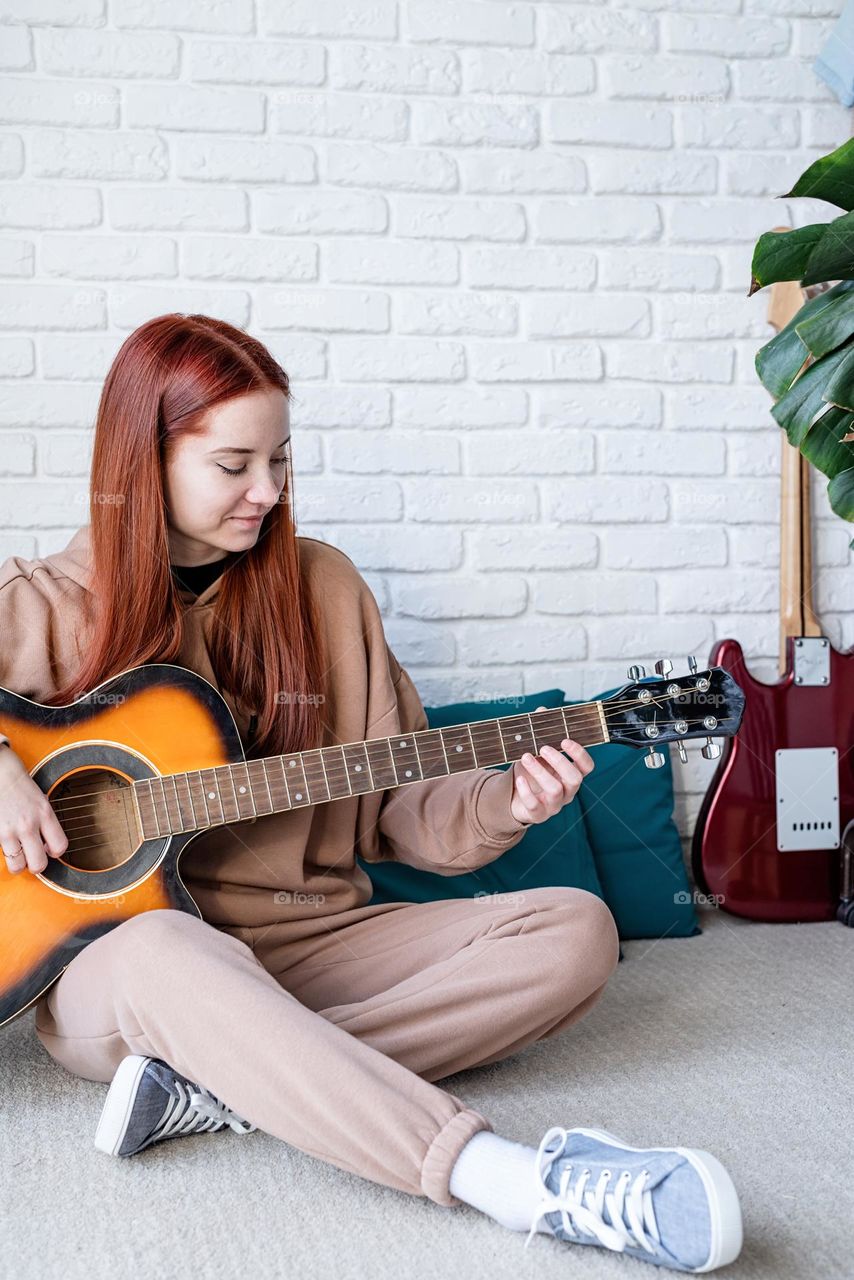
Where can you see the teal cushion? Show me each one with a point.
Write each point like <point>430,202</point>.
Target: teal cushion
<point>628,817</point>
<point>555,852</point>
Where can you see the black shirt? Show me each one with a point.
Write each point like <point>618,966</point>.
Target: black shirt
<point>197,578</point>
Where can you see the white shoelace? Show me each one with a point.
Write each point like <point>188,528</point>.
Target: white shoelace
<point>582,1207</point>
<point>196,1111</point>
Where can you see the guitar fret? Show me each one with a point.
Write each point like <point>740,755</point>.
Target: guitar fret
<point>193,824</point>
<point>277,783</point>
<point>209,782</point>
<point>346,770</point>
<point>431,753</point>
<point>258,782</point>
<point>176,823</point>
<point>471,741</point>
<point>312,761</point>
<point>393,764</point>
<point>301,796</point>
<point>246,805</point>
<point>237,813</point>
<point>358,768</point>
<point>462,756</point>
<point>201,787</point>
<point>406,755</point>
<point>325,776</point>
<point>281,764</point>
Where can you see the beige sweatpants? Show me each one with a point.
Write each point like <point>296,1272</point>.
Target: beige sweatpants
<point>330,1042</point>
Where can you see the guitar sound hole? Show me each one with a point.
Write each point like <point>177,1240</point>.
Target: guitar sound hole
<point>95,810</point>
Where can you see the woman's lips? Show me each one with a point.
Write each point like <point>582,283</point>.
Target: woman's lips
<point>248,520</point>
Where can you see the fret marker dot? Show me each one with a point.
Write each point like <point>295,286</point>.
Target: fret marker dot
<point>241,790</point>
<point>210,795</point>
<point>403,744</point>
<point>409,773</point>
<point>458,747</point>
<point>357,767</point>
<point>518,737</point>
<point>292,764</point>
<point>299,795</point>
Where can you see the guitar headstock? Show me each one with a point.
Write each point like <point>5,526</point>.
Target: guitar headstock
<point>703,704</point>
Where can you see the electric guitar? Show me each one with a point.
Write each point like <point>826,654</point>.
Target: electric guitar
<point>131,791</point>
<point>767,838</point>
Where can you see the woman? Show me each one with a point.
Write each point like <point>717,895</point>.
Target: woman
<point>292,1006</point>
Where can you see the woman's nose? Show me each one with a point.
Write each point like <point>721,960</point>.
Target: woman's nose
<point>263,494</point>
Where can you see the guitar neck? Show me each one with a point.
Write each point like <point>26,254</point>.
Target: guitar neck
<point>179,802</point>
<point>797,616</point>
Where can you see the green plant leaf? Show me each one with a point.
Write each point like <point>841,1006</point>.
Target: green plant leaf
<point>840,492</point>
<point>840,385</point>
<point>830,178</point>
<point>833,256</point>
<point>822,442</point>
<point>829,327</point>
<point>783,255</point>
<point>778,362</point>
<point>798,408</point>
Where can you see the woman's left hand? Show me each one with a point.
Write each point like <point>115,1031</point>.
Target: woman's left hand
<point>544,783</point>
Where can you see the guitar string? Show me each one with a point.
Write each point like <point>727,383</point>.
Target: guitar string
<point>119,826</point>
<point>329,769</point>
<point>477,727</point>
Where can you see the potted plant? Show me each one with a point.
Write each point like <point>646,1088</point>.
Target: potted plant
<point>808,367</point>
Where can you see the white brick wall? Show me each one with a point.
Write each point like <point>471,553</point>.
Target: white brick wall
<point>502,249</point>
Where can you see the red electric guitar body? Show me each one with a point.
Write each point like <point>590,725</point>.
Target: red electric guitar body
<point>768,836</point>
<point>736,853</point>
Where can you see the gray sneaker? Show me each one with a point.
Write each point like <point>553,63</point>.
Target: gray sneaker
<point>672,1206</point>
<point>148,1101</point>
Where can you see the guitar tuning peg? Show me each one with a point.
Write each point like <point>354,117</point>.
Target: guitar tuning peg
<point>683,754</point>
<point>664,666</point>
<point>692,665</point>
<point>654,760</point>
<point>637,673</point>
<point>710,751</point>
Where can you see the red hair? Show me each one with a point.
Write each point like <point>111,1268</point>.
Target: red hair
<point>264,639</point>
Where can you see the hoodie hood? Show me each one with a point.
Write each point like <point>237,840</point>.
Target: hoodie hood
<point>75,561</point>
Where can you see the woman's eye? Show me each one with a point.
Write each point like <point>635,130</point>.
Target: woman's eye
<point>232,471</point>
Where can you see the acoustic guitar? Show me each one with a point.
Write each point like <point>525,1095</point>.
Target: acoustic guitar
<point>151,758</point>
<point>767,838</point>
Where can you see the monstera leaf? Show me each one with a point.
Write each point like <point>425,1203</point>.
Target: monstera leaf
<point>808,367</point>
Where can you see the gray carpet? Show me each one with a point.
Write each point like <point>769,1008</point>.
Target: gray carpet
<point>738,1041</point>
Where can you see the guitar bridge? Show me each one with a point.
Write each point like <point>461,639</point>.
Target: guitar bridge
<point>807,798</point>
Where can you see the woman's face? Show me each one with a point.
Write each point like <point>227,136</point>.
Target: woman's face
<point>204,500</point>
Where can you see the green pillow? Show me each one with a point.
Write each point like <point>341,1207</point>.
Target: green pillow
<point>628,816</point>
<point>555,852</point>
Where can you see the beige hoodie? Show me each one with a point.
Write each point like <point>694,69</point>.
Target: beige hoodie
<point>284,866</point>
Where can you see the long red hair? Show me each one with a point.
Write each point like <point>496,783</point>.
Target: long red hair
<point>265,636</point>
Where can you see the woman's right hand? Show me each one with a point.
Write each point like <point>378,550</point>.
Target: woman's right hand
<point>29,828</point>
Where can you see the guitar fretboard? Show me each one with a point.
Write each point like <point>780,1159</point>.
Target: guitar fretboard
<point>179,802</point>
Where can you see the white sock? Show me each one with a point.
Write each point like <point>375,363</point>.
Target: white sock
<point>498,1177</point>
